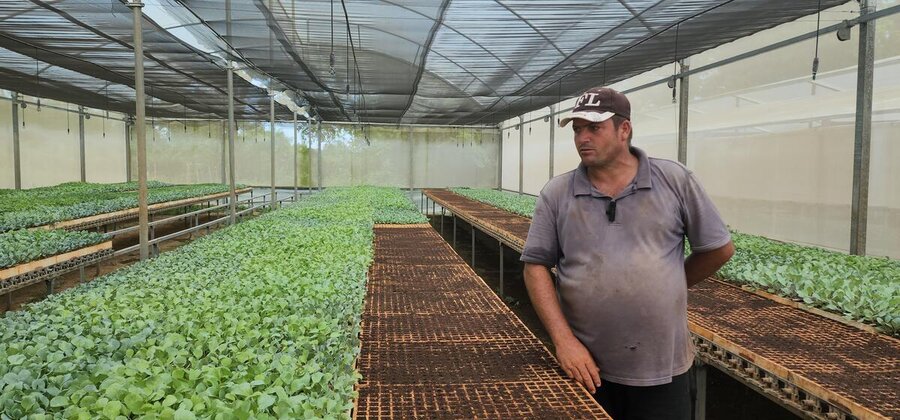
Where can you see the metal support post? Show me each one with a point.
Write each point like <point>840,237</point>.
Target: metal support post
<point>521,154</point>
<point>224,164</point>
<point>501,267</point>
<point>683,100</point>
<point>136,6</point>
<point>412,179</point>
<point>500,161</point>
<point>81,143</point>
<point>51,285</point>
<point>232,195</point>
<point>859,215</point>
<point>473,247</point>
<point>295,157</point>
<point>17,162</point>
<point>552,138</point>
<point>700,387</point>
<point>274,197</point>
<point>319,153</point>
<point>454,231</point>
<point>442,220</point>
<point>309,152</point>
<point>81,276</point>
<point>129,124</point>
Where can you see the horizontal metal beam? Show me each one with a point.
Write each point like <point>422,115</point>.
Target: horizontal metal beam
<point>492,127</point>
<point>222,220</point>
<point>73,110</point>
<point>168,220</point>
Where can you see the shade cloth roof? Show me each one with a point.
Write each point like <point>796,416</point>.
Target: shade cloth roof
<point>404,61</point>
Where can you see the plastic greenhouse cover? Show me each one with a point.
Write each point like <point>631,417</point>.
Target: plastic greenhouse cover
<point>394,61</point>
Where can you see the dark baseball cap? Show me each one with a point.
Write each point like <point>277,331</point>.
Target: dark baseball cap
<point>597,105</point>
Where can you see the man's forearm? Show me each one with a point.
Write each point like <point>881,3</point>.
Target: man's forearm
<point>543,299</point>
<point>700,265</point>
<point>574,358</point>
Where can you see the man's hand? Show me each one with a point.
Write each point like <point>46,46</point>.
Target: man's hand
<point>577,362</point>
<point>573,356</point>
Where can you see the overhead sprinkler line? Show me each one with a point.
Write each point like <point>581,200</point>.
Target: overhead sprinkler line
<point>37,79</point>
<point>604,73</point>
<point>106,105</point>
<point>152,118</point>
<point>815,64</point>
<point>355,60</point>
<point>356,80</point>
<point>347,77</point>
<point>673,82</point>
<point>559,93</point>
<point>331,59</point>
<point>530,104</point>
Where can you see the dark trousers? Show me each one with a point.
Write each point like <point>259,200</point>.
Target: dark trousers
<point>668,401</point>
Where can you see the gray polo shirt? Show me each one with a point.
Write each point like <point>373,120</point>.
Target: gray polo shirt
<point>622,285</point>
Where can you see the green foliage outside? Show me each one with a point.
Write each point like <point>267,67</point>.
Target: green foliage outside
<point>864,289</point>
<point>257,320</point>
<point>22,246</point>
<point>40,206</point>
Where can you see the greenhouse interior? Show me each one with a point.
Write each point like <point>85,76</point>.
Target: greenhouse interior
<point>392,209</point>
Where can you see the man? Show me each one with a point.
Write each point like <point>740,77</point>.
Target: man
<point>615,229</point>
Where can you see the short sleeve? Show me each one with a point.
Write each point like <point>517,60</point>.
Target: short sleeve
<point>703,225</point>
<point>542,243</point>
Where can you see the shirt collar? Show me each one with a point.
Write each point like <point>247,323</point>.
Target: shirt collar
<point>642,180</point>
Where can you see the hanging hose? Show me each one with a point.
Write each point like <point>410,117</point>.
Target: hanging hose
<point>815,65</point>
<point>674,82</point>
<point>331,59</point>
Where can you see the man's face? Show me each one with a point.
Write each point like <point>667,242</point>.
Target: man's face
<point>599,144</point>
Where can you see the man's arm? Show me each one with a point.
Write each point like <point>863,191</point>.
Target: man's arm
<point>700,265</point>
<point>573,356</point>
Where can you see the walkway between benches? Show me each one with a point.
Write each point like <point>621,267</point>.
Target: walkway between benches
<point>438,343</point>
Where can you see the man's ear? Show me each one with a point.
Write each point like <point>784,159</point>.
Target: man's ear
<point>625,127</point>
